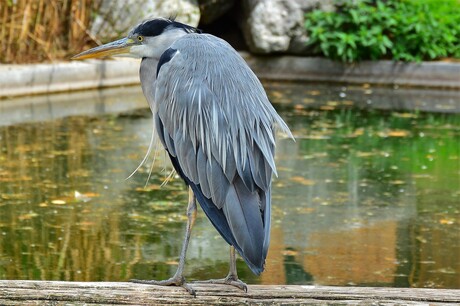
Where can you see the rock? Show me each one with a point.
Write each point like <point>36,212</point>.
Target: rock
<point>278,25</point>
<point>213,9</point>
<point>117,17</point>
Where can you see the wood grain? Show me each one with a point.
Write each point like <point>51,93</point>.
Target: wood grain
<point>17,292</point>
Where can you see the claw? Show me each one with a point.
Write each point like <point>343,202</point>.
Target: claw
<point>173,281</point>
<point>229,280</point>
<point>236,282</point>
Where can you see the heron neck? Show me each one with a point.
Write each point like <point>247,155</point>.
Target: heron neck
<point>148,77</point>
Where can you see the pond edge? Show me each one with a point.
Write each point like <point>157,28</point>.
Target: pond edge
<point>20,80</point>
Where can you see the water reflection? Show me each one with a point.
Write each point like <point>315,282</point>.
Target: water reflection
<point>363,197</point>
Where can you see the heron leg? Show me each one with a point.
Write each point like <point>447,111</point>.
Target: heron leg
<point>232,277</point>
<point>178,279</point>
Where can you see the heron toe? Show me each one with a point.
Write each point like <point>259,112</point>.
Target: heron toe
<point>173,281</point>
<point>231,280</point>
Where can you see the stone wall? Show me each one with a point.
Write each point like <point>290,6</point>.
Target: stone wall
<point>266,26</point>
<point>271,26</point>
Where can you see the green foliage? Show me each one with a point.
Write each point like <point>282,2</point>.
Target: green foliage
<point>408,30</point>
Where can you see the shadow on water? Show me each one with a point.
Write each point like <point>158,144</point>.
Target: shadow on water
<point>367,195</point>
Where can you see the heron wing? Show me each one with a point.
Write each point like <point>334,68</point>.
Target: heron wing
<point>214,119</point>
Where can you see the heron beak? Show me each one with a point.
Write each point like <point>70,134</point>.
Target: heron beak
<point>121,46</point>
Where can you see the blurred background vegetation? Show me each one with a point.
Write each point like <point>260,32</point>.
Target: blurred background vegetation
<point>351,30</point>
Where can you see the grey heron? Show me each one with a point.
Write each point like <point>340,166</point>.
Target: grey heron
<point>214,119</point>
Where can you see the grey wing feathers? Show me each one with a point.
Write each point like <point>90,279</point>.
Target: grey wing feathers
<point>217,121</point>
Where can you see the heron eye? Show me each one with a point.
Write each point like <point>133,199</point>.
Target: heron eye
<point>140,38</point>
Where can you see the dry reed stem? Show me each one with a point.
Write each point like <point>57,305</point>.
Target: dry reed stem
<point>35,31</point>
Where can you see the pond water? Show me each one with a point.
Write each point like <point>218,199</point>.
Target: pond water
<point>368,195</point>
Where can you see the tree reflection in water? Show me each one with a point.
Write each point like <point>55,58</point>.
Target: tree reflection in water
<point>364,197</point>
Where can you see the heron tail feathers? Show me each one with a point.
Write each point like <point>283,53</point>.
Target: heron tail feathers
<point>244,217</point>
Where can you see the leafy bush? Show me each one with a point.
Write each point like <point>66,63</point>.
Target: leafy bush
<point>408,30</point>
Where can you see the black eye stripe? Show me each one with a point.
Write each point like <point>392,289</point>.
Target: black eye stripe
<point>155,27</point>
<point>152,27</point>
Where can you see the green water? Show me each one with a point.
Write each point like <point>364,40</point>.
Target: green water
<point>365,196</point>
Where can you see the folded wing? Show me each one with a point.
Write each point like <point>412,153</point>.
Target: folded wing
<point>215,121</point>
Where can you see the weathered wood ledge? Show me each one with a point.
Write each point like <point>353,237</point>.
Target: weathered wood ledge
<point>19,292</point>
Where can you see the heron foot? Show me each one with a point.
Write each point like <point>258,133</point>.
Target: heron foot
<point>178,281</point>
<point>231,280</point>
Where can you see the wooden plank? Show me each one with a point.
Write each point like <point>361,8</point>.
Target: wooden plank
<point>18,292</point>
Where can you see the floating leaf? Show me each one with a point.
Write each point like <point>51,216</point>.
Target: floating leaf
<point>28,216</point>
<point>85,197</point>
<point>316,136</point>
<point>332,103</point>
<point>448,270</point>
<point>404,115</point>
<point>23,148</point>
<point>149,188</point>
<point>398,133</point>
<point>84,225</point>
<point>358,132</point>
<point>172,263</point>
<point>80,173</point>
<point>290,253</point>
<point>394,133</point>
<point>299,107</point>
<point>14,196</point>
<point>277,94</point>
<point>308,100</point>
<point>447,221</point>
<point>301,180</point>
<point>421,239</point>
<point>136,216</point>
<point>365,154</point>
<point>305,210</point>
<point>62,152</point>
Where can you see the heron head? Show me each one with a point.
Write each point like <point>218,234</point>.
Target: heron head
<point>148,39</point>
